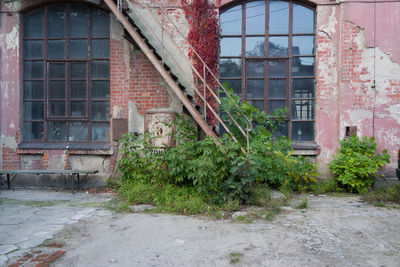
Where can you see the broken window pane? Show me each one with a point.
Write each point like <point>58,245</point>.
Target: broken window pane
<point>56,130</point>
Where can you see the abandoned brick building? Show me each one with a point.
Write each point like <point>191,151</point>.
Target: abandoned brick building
<point>73,79</point>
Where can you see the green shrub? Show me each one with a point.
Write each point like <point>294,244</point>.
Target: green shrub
<point>387,194</point>
<point>356,163</point>
<point>324,186</point>
<point>216,172</point>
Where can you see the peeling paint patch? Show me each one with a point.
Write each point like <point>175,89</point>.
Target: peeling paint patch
<point>358,115</point>
<point>9,141</point>
<point>12,40</point>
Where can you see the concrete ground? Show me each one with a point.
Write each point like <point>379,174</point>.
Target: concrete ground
<point>332,231</point>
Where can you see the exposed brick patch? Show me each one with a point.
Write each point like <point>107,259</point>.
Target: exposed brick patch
<point>54,256</point>
<point>42,264</point>
<point>16,264</point>
<point>45,161</point>
<point>351,59</point>
<point>10,159</point>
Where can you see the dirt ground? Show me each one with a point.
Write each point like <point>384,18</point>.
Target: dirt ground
<point>332,231</point>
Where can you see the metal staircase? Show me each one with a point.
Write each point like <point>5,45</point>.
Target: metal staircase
<point>151,36</point>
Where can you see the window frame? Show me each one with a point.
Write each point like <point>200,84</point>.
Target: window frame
<point>290,78</point>
<point>67,60</point>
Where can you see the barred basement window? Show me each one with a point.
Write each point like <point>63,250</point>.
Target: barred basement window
<point>66,73</point>
<point>267,57</point>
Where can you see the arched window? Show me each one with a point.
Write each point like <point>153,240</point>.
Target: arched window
<point>267,56</point>
<point>66,73</point>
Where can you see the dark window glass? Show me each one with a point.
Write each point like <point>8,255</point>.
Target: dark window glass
<point>78,109</point>
<point>78,89</point>
<point>33,69</point>
<point>33,49</point>
<point>255,89</point>
<point>78,48</point>
<point>78,21</point>
<point>100,110</point>
<point>56,21</point>
<point>277,88</point>
<point>100,24</point>
<point>303,110</point>
<point>231,21</point>
<point>255,17</point>
<point>57,108</point>
<point>275,104</point>
<point>78,70</point>
<point>33,90</point>
<point>303,66</point>
<point>101,131</point>
<point>56,89</point>
<point>78,131</point>
<point>100,69</point>
<point>303,131</point>
<point>277,69</point>
<point>230,67</point>
<point>56,48</point>
<point>34,24</point>
<point>100,48</point>
<point>56,130</point>
<point>100,89</point>
<point>33,110</point>
<point>33,130</point>
<point>257,104</point>
<point>255,69</point>
<point>303,88</point>
<point>57,70</point>
<point>236,85</point>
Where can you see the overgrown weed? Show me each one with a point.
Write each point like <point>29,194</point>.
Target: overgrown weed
<point>378,198</point>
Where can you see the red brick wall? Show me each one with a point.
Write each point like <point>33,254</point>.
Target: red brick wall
<point>351,56</point>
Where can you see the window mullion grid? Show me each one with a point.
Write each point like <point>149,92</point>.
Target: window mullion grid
<point>266,65</point>
<point>244,74</point>
<point>89,76</point>
<point>46,78</point>
<point>289,71</point>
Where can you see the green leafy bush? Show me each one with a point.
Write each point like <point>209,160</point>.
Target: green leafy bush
<point>218,172</point>
<point>356,163</point>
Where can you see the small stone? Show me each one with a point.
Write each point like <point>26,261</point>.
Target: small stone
<point>112,260</point>
<point>238,214</point>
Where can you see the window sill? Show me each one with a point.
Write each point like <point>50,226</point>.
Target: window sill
<point>305,149</point>
<point>40,145</point>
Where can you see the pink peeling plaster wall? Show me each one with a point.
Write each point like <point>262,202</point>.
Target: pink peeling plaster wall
<point>9,88</point>
<point>370,73</point>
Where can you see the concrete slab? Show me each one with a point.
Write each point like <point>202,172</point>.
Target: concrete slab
<point>30,217</point>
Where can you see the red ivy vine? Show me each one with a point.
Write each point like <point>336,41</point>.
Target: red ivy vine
<point>204,36</point>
